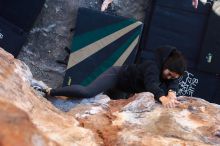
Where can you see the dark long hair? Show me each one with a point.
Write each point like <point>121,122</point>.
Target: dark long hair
<point>176,62</point>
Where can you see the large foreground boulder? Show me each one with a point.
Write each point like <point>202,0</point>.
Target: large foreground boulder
<point>15,79</point>
<point>27,118</point>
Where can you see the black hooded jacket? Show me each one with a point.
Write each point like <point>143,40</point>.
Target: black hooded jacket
<point>146,77</point>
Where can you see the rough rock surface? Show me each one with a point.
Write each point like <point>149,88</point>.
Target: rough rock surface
<point>17,129</point>
<point>15,80</point>
<point>137,121</point>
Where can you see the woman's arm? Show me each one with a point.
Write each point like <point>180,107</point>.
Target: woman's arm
<point>151,79</point>
<point>172,86</point>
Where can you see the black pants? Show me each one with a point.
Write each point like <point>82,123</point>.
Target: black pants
<point>107,80</point>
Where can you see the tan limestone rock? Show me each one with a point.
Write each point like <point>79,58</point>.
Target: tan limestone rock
<point>15,78</point>
<point>137,121</point>
<point>18,130</point>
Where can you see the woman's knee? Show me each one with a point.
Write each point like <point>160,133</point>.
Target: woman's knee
<point>87,93</point>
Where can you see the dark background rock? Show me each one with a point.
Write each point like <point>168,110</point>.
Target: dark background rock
<point>51,34</point>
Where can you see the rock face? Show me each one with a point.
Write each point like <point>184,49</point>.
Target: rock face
<point>137,121</point>
<point>17,129</point>
<point>15,78</point>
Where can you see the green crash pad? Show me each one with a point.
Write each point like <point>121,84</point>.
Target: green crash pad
<point>100,41</point>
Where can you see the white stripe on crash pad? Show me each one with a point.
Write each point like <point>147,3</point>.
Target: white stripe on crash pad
<point>128,51</point>
<point>79,55</point>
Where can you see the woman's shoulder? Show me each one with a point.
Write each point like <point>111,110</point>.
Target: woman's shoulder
<point>148,62</point>
<point>149,65</point>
